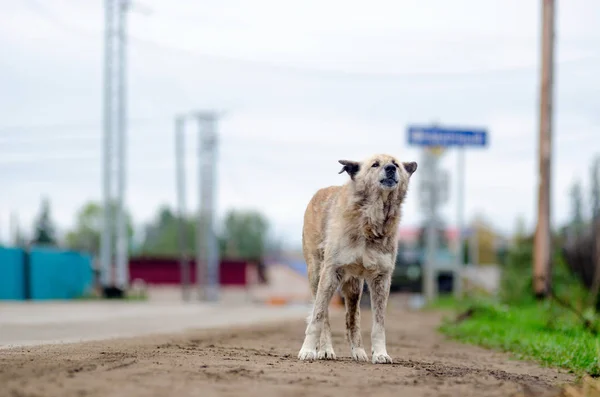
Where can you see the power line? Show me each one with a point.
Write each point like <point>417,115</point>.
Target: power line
<point>330,72</point>
<point>77,125</point>
<point>295,69</point>
<point>231,144</point>
<point>42,11</point>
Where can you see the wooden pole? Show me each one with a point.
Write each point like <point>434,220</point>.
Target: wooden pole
<point>542,254</point>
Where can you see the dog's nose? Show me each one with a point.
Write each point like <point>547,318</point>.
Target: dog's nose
<point>390,169</point>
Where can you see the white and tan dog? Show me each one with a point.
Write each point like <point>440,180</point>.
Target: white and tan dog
<point>349,236</point>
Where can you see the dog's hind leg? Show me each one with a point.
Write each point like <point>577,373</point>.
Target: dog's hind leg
<point>328,282</point>
<point>352,292</point>
<point>325,346</point>
<point>313,262</point>
<point>379,288</point>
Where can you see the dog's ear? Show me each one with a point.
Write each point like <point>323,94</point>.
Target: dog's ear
<point>351,167</point>
<point>410,167</point>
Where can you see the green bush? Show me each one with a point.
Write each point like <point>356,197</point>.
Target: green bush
<point>516,285</point>
<point>516,280</point>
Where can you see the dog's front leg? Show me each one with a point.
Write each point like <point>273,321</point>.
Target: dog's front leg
<point>379,287</point>
<point>325,345</point>
<point>328,283</point>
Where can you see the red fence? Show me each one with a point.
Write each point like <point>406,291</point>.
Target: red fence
<point>166,271</point>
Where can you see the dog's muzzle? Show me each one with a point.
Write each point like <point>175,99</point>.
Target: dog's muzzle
<point>390,180</point>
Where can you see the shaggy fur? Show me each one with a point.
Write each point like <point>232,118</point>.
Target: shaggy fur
<point>350,236</point>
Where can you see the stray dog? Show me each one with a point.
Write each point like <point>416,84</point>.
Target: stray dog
<point>348,237</point>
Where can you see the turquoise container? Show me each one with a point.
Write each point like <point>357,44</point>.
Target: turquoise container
<point>12,275</point>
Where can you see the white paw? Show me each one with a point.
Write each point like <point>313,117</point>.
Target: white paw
<point>326,353</point>
<point>359,354</point>
<point>381,358</point>
<point>307,354</point>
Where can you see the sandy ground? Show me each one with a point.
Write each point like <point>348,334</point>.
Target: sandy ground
<point>260,360</point>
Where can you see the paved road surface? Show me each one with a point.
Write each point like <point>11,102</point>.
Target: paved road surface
<point>44,323</point>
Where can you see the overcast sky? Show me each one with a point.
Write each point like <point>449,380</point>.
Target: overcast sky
<point>304,84</point>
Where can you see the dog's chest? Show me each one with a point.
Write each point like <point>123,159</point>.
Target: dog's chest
<point>358,260</point>
<point>351,254</point>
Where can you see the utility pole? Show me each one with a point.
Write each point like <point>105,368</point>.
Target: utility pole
<point>542,255</point>
<point>207,249</point>
<point>430,200</point>
<point>115,132</point>
<point>200,242</point>
<point>474,245</point>
<point>459,222</point>
<point>106,237</point>
<point>184,263</point>
<point>122,251</point>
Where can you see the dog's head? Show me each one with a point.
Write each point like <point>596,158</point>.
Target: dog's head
<point>380,173</point>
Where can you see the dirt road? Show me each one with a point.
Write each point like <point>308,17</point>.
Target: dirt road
<point>261,361</point>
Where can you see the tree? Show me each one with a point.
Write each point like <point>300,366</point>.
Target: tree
<point>162,234</point>
<point>44,227</point>
<point>20,239</point>
<point>577,206</point>
<point>520,231</point>
<point>244,235</point>
<point>86,234</point>
<point>486,240</point>
<point>595,228</point>
<point>595,184</point>
<point>581,250</point>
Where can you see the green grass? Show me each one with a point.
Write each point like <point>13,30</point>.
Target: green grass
<point>447,302</point>
<point>540,331</point>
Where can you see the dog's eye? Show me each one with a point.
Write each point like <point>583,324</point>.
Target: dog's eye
<point>375,164</point>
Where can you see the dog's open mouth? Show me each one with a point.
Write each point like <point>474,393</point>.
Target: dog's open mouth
<point>389,182</point>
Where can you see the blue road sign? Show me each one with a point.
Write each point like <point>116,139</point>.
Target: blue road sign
<point>441,136</point>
